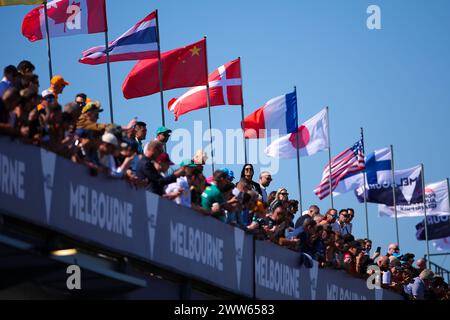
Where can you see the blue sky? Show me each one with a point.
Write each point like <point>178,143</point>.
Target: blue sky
<point>392,82</point>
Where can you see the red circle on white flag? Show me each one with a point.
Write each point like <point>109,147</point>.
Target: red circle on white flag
<point>303,138</point>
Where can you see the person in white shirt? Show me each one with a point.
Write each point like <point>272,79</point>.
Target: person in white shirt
<point>265,178</point>
<point>9,76</point>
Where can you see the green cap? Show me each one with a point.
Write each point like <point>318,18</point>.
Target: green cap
<point>162,130</point>
<point>187,163</point>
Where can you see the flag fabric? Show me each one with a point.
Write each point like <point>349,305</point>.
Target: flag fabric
<point>225,88</point>
<point>277,117</point>
<point>343,166</point>
<point>138,43</point>
<point>182,67</point>
<point>438,227</point>
<point>312,138</point>
<point>65,18</point>
<point>442,244</point>
<point>408,189</point>
<point>16,2</point>
<point>378,170</point>
<point>436,199</point>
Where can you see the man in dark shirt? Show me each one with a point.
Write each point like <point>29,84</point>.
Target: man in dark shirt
<point>147,170</point>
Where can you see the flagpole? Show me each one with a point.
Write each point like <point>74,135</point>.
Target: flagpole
<point>242,113</point>
<point>425,215</point>
<point>49,51</point>
<point>298,156</point>
<point>364,186</point>
<point>160,73</point>
<point>329,158</point>
<point>393,195</point>
<point>208,103</point>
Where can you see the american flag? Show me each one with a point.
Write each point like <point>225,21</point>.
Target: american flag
<point>344,165</point>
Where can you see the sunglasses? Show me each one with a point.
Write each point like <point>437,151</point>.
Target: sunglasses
<point>268,177</point>
<point>284,193</point>
<point>248,169</point>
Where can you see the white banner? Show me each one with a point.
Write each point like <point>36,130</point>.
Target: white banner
<point>436,199</point>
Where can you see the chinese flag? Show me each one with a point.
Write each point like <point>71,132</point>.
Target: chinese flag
<point>182,67</point>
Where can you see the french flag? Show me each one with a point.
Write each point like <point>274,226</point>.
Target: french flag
<point>138,43</point>
<point>279,114</point>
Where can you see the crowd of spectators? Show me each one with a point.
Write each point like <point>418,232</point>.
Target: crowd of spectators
<point>73,131</point>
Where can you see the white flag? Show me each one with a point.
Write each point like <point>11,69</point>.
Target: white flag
<point>436,199</point>
<point>313,137</point>
<point>442,244</point>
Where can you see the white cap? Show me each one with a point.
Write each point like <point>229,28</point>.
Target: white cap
<point>111,139</point>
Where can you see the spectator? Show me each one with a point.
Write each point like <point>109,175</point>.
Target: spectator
<point>153,164</point>
<point>30,81</point>
<point>271,197</point>
<point>25,67</point>
<point>421,265</point>
<point>265,178</point>
<point>393,250</point>
<point>180,191</point>
<point>9,77</point>
<point>57,85</point>
<point>341,226</point>
<point>106,150</point>
<point>140,135</point>
<point>247,173</point>
<point>416,290</point>
<point>163,134</point>
<point>312,212</point>
<point>213,199</point>
<point>330,217</point>
<point>81,100</point>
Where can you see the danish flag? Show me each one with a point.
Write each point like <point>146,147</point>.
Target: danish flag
<point>225,88</point>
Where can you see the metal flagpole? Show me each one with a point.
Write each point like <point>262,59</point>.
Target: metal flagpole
<point>425,215</point>
<point>109,77</point>
<point>393,195</point>
<point>364,187</point>
<point>160,73</point>
<point>49,51</point>
<point>208,103</point>
<point>298,157</point>
<point>329,158</point>
<point>242,113</point>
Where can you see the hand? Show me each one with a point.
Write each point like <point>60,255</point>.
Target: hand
<point>180,172</point>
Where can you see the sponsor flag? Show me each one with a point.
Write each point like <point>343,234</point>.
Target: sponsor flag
<point>313,137</point>
<point>65,18</point>
<point>16,2</point>
<point>225,88</point>
<point>278,114</point>
<point>408,189</point>
<point>138,43</point>
<point>438,227</point>
<point>343,166</point>
<point>182,67</point>
<point>436,199</point>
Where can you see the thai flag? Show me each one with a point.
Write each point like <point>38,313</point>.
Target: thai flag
<point>138,43</point>
<point>279,114</point>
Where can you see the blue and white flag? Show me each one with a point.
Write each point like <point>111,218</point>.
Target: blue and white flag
<point>378,170</point>
<point>138,43</point>
<point>408,189</point>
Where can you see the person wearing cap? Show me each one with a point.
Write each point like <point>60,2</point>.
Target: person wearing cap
<point>180,191</point>
<point>416,289</point>
<point>57,85</point>
<point>89,117</point>
<point>109,144</point>
<point>163,134</point>
<point>146,169</point>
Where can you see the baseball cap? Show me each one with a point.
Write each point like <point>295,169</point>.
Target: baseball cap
<point>59,81</point>
<point>188,163</point>
<point>162,129</point>
<point>92,106</point>
<point>164,157</point>
<point>229,173</point>
<point>110,138</point>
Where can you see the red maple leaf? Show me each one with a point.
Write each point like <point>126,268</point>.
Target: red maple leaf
<point>59,14</point>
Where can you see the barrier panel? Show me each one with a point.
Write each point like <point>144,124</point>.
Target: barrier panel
<point>43,188</point>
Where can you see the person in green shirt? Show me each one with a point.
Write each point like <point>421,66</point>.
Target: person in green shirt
<point>213,198</point>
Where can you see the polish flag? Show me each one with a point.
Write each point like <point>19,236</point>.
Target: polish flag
<point>312,138</point>
<point>225,88</point>
<point>277,117</point>
<point>65,18</point>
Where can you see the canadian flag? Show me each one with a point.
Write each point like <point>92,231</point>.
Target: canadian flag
<point>65,18</point>
<point>225,88</point>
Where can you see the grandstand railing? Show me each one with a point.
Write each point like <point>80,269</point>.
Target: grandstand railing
<point>40,187</point>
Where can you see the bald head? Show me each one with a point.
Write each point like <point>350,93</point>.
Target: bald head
<point>421,264</point>
<point>153,149</point>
